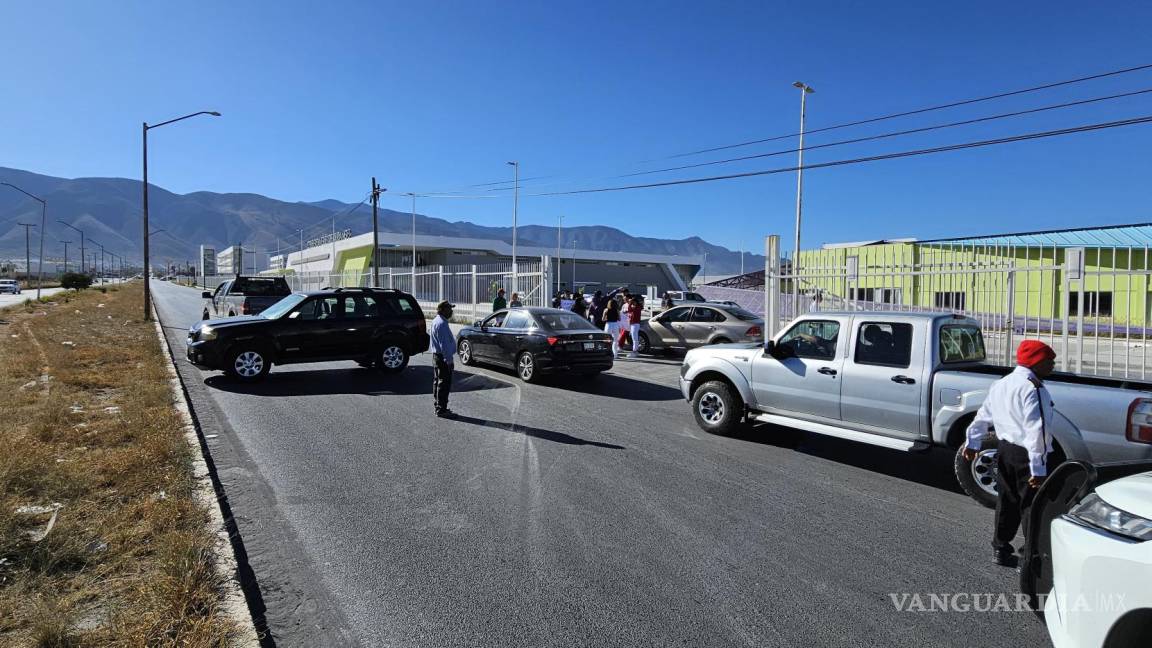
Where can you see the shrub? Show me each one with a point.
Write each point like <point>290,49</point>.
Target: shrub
<point>75,280</point>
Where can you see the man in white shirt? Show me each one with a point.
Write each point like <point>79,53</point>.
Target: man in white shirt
<point>1019,409</point>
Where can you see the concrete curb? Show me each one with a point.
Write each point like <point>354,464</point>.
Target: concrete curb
<point>235,605</point>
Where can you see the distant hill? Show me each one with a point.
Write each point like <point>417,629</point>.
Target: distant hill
<point>108,210</point>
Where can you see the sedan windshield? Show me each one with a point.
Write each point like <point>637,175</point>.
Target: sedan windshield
<point>564,321</point>
<point>275,311</point>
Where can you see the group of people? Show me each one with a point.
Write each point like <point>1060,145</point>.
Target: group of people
<point>617,313</point>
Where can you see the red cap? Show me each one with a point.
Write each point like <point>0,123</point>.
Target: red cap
<point>1032,352</point>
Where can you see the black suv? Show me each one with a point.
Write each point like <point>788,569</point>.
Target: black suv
<point>373,326</point>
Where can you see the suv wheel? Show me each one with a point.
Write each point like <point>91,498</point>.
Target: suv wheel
<point>466,356</point>
<point>526,368</point>
<point>392,359</point>
<point>716,408</point>
<point>248,364</point>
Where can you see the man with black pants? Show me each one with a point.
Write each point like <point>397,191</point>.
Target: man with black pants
<point>443,354</point>
<point>1019,408</point>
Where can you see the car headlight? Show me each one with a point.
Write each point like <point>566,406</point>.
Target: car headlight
<point>207,333</point>
<point>1098,513</point>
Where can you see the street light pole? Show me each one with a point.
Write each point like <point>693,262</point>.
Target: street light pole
<point>573,265</point>
<point>144,130</point>
<point>413,195</point>
<point>43,226</point>
<point>65,254</point>
<point>515,207</point>
<point>27,249</point>
<point>805,90</point>
<point>81,243</point>
<point>559,227</point>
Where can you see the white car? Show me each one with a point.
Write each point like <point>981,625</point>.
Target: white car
<point>1095,560</point>
<point>10,286</point>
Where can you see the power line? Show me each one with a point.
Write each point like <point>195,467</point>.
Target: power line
<point>919,110</point>
<point>894,134</point>
<point>873,158</point>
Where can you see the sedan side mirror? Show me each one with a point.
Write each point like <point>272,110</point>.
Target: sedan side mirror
<point>206,295</point>
<point>478,323</point>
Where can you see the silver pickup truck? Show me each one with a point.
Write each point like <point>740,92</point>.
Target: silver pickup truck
<point>906,381</point>
<point>243,296</point>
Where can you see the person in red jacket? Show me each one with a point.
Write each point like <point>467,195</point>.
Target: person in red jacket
<point>635,313</point>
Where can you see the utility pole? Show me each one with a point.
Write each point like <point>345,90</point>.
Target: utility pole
<point>573,265</point>
<point>805,90</point>
<point>559,227</point>
<point>65,254</point>
<point>27,250</point>
<point>376,191</point>
<point>413,244</point>
<point>515,206</point>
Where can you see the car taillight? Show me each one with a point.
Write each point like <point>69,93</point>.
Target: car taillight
<point>1140,421</point>
<point>553,340</point>
<point>753,332</point>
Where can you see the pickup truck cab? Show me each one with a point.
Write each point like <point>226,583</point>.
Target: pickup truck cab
<point>906,381</point>
<point>243,296</point>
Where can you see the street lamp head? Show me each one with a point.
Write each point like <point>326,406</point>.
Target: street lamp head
<point>213,113</point>
<point>803,86</point>
<point>514,163</point>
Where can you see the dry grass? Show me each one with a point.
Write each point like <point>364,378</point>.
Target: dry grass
<point>129,561</point>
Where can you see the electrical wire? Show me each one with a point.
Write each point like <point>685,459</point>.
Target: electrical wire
<point>872,158</point>
<point>918,111</point>
<point>894,134</point>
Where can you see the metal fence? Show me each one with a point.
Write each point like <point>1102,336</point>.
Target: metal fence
<point>1092,304</point>
<point>471,287</point>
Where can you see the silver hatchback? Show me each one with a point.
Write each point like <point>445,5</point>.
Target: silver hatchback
<point>691,326</point>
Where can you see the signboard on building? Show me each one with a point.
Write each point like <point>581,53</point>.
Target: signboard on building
<point>207,261</point>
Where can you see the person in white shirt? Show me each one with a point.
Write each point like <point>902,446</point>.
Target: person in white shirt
<point>1019,409</point>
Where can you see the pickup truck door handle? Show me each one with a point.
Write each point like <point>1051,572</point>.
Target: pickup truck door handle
<point>904,380</point>
<point>826,371</point>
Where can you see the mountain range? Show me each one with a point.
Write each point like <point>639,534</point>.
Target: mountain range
<point>108,211</point>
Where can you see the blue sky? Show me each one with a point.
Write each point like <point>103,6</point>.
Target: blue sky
<point>318,97</point>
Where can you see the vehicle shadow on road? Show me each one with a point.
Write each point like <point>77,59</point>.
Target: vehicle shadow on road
<point>932,467</point>
<point>415,380</point>
<point>536,433</point>
<point>615,386</point>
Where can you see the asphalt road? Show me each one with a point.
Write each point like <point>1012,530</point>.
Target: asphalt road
<point>585,514</point>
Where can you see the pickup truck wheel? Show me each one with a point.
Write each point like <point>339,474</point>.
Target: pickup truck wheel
<point>716,408</point>
<point>392,359</point>
<point>248,364</point>
<point>721,340</point>
<point>978,477</point>
<point>466,356</point>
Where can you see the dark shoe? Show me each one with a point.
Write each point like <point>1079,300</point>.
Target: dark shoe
<point>448,414</point>
<point>1005,557</point>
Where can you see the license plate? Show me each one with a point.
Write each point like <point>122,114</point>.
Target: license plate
<point>589,346</point>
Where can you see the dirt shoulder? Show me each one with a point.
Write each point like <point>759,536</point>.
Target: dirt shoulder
<point>102,541</point>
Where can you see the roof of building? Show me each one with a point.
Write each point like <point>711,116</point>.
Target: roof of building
<point>1132,235</point>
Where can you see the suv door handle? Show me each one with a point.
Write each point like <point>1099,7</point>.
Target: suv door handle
<point>827,371</point>
<point>904,380</point>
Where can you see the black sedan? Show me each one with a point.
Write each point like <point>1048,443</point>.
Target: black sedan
<point>535,342</point>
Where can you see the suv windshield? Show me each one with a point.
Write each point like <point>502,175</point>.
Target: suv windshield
<point>275,311</point>
<point>260,287</point>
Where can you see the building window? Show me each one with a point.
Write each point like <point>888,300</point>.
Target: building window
<point>877,295</point>
<point>950,300</point>
<point>1096,304</point>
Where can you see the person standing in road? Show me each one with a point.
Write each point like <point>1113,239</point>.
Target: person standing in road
<point>499,303</point>
<point>635,313</point>
<point>597,311</point>
<point>612,325</point>
<point>443,346</point>
<point>515,301</point>
<point>1019,408</point>
<point>579,306</point>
